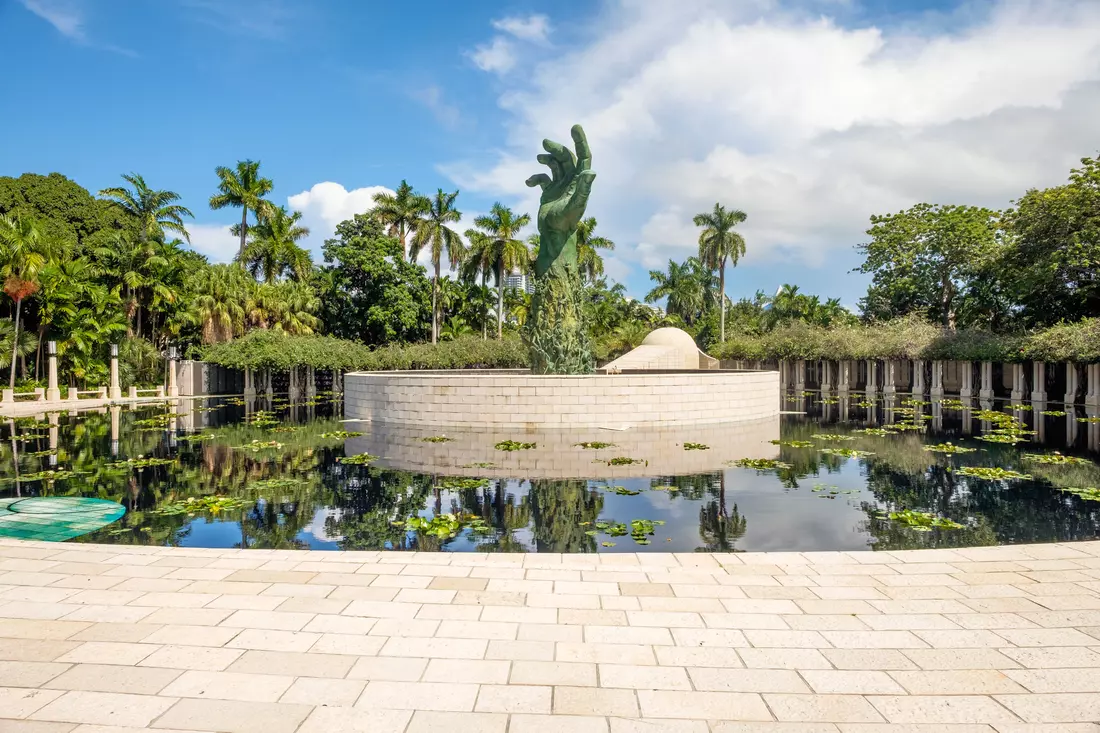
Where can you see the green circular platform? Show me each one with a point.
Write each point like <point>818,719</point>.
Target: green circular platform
<point>55,518</point>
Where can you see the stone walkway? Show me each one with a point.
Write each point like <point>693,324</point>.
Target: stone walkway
<point>116,639</point>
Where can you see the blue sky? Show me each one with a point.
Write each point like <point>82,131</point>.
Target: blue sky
<point>809,115</point>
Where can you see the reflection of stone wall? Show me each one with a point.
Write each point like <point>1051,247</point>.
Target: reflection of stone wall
<point>517,400</point>
<point>556,454</point>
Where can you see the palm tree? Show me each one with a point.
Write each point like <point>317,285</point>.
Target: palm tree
<point>135,265</point>
<point>717,243</point>
<point>432,232</point>
<point>245,188</point>
<point>589,260</point>
<point>272,249</point>
<point>155,211</point>
<point>218,306</point>
<point>684,291</point>
<point>400,211</point>
<point>497,248</point>
<point>24,252</point>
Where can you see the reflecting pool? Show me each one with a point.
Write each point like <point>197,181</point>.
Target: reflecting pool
<point>829,474</point>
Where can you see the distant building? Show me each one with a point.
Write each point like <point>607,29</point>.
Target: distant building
<point>516,281</point>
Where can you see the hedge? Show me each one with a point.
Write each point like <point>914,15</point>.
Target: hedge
<point>912,338</point>
<point>263,349</point>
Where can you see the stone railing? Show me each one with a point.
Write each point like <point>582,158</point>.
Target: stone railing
<point>9,396</point>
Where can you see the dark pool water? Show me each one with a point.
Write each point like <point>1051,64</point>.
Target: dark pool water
<point>223,490</point>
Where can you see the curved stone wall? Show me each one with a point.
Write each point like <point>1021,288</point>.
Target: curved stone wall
<point>518,400</point>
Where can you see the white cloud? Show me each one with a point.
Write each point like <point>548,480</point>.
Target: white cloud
<point>497,56</point>
<point>65,16</point>
<point>535,28</point>
<point>432,98</point>
<point>807,124</point>
<point>215,241</point>
<point>327,204</point>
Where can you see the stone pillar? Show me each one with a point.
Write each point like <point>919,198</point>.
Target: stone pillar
<point>249,387</point>
<point>173,388</point>
<point>54,430</point>
<point>311,383</point>
<point>826,376</point>
<point>918,378</point>
<point>845,377</point>
<point>937,380</point>
<point>872,378</point>
<point>53,394</point>
<point>889,382</point>
<point>1092,377</point>
<point>1019,384</point>
<point>967,373</point>
<point>967,417</point>
<point>985,393</point>
<point>116,388</point>
<point>1072,384</point>
<point>937,415</point>
<point>338,380</point>
<point>784,378</point>
<point>292,388</point>
<point>133,392</point>
<point>1039,382</point>
<point>1072,426</point>
<point>73,394</point>
<point>800,375</point>
<point>115,410</point>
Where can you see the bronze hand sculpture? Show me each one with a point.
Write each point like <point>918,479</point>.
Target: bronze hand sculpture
<point>555,330</point>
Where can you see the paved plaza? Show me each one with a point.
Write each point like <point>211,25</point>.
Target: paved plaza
<point>117,639</point>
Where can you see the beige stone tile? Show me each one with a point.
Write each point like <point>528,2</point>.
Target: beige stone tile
<point>191,636</point>
<point>728,727</point>
<point>946,659</point>
<point>229,686</point>
<point>29,674</point>
<point>438,696</point>
<point>746,680</point>
<point>702,705</point>
<point>710,637</point>
<point>1054,657</point>
<point>878,659</point>
<point>557,723</point>
<point>1046,637</point>
<point>388,669</point>
<point>550,632</point>
<point>681,605</point>
<point>633,725</point>
<point>477,671</point>
<point>941,709</point>
<point>10,725</point>
<point>644,677</point>
<point>104,708</point>
<point>500,630</point>
<point>521,650</point>
<point>513,699</point>
<point>752,620</point>
<point>907,621</point>
<point>852,682</point>
<point>645,589</point>
<point>192,657</point>
<point>348,644</point>
<point>1056,680</point>
<point>114,678</point>
<point>822,708</point>
<point>679,656</point>
<point>106,652</point>
<point>874,640</point>
<point>337,624</point>
<point>956,682</point>
<point>246,603</point>
<point>294,664</point>
<point>783,659</point>
<point>188,616</point>
<point>318,691</point>
<point>990,621</point>
<point>232,716</point>
<point>595,701</point>
<point>381,609</point>
<point>115,632</point>
<point>21,702</point>
<point>574,674</point>
<point>592,617</point>
<point>273,641</point>
<point>30,629</point>
<point>604,653</point>
<point>33,650</point>
<point>1048,728</point>
<point>440,612</point>
<point>431,722</point>
<point>277,620</point>
<point>354,720</point>
<point>405,627</point>
<point>457,584</point>
<point>778,639</point>
<point>438,648</point>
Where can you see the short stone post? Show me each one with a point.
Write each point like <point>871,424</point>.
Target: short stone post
<point>74,394</point>
<point>1039,382</point>
<point>800,375</point>
<point>889,383</point>
<point>918,378</point>
<point>102,393</point>
<point>986,391</point>
<point>132,394</point>
<point>52,417</point>
<point>160,391</point>
<point>967,373</point>
<point>116,388</point>
<point>937,380</point>
<point>872,378</point>
<point>826,376</point>
<point>173,388</point>
<point>1073,383</point>
<point>53,394</point>
<point>845,377</point>
<point>1019,384</point>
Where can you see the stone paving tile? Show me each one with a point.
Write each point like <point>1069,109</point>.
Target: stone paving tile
<point>124,639</point>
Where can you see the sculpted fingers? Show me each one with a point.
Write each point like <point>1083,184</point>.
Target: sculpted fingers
<point>563,155</point>
<point>539,179</point>
<point>584,153</point>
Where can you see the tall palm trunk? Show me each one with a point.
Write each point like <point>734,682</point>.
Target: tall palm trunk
<point>244,233</point>
<point>500,300</point>
<point>722,297</point>
<point>15,343</point>
<point>435,315</point>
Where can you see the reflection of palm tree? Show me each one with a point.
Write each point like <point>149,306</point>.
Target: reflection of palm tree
<point>718,528</point>
<point>558,509</point>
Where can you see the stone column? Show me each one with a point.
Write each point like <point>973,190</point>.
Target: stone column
<point>311,383</point>
<point>967,418</point>
<point>1072,384</point>
<point>800,375</point>
<point>116,410</point>
<point>269,383</point>
<point>967,373</point>
<point>845,377</point>
<point>937,380</point>
<point>783,380</point>
<point>1019,384</point>
<point>173,388</point>
<point>249,388</point>
<point>52,417</point>
<point>116,388</point>
<point>937,415</point>
<point>1092,376</point>
<point>918,378</point>
<point>986,391</point>
<point>889,382</point>
<point>872,378</point>
<point>53,394</point>
<point>1039,382</point>
<point>826,376</point>
<point>292,387</point>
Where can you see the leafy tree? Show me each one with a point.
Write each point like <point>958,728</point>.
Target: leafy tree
<point>242,187</point>
<point>589,261</point>
<point>432,232</point>
<point>926,258</point>
<point>283,306</point>
<point>155,211</point>
<point>24,252</point>
<point>65,210</point>
<point>132,263</point>
<point>219,295</point>
<point>400,211</point>
<point>688,289</point>
<point>368,291</point>
<point>718,243</point>
<point>497,249</point>
<point>1053,264</point>
<point>272,251</point>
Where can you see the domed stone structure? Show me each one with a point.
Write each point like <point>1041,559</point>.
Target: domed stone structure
<point>664,348</point>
